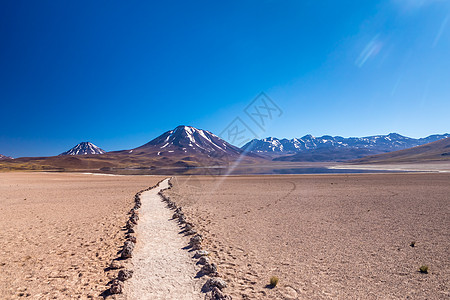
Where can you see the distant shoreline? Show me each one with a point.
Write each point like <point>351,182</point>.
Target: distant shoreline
<point>439,167</point>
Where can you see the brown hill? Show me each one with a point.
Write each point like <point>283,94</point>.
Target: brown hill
<point>435,151</point>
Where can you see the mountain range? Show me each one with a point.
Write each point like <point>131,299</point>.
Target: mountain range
<point>187,147</point>
<point>435,151</point>
<point>369,145</point>
<point>182,147</point>
<point>334,148</point>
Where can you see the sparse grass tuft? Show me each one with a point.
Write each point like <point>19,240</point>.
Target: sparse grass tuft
<point>273,281</point>
<point>423,269</point>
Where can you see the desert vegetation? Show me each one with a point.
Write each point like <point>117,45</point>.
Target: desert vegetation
<point>273,281</point>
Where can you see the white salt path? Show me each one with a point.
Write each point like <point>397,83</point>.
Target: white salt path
<point>162,269</point>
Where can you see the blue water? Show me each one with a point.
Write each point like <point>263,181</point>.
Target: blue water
<point>244,171</point>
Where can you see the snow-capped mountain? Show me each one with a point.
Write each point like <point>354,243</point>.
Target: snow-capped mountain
<point>377,143</point>
<point>189,140</point>
<point>4,157</point>
<point>84,148</point>
<point>435,151</point>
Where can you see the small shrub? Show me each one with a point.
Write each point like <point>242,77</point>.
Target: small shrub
<point>413,244</point>
<point>423,269</point>
<point>273,281</point>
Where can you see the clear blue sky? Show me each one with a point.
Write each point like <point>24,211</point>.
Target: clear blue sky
<point>119,73</point>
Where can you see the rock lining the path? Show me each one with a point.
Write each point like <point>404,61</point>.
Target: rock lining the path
<point>125,275</point>
<point>201,253</point>
<point>215,282</point>
<point>203,260</point>
<point>114,265</point>
<point>127,251</point>
<point>116,287</point>
<point>217,294</point>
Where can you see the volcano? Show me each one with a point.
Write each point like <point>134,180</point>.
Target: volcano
<point>84,148</point>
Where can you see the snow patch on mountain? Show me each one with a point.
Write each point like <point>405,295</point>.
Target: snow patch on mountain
<point>84,148</point>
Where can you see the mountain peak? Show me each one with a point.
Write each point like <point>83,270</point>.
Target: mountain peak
<point>188,139</point>
<point>184,127</point>
<point>84,148</point>
<point>395,135</point>
<point>4,157</point>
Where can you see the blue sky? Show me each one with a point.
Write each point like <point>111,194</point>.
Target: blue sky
<point>120,73</point>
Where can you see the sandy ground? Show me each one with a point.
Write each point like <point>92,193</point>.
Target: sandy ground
<point>162,269</point>
<point>440,167</point>
<point>325,236</point>
<point>59,231</point>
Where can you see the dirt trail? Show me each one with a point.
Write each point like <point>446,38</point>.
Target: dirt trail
<point>162,269</point>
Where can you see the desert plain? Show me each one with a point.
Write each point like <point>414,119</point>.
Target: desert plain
<point>329,236</point>
<point>325,236</point>
<point>59,231</point>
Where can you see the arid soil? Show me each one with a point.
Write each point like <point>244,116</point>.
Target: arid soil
<point>324,236</point>
<point>59,231</point>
